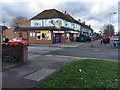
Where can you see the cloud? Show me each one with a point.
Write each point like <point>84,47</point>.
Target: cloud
<point>94,13</point>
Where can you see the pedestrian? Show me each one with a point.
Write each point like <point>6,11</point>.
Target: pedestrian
<point>105,42</point>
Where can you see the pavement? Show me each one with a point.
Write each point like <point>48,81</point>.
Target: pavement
<point>37,69</point>
<point>41,64</point>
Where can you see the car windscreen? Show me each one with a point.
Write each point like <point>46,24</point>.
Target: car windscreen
<point>16,39</point>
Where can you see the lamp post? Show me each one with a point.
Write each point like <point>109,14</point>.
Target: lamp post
<point>3,31</point>
<point>110,20</point>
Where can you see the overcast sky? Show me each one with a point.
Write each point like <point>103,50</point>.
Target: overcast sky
<point>96,13</point>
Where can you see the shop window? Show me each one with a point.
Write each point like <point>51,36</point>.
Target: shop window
<point>43,35</point>
<point>38,34</point>
<point>33,34</point>
<point>30,34</point>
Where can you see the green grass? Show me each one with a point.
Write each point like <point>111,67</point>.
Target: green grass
<point>93,74</point>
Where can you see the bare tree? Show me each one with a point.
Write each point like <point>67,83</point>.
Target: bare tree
<point>16,20</point>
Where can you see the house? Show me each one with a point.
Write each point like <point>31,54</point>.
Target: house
<point>50,26</point>
<point>10,32</point>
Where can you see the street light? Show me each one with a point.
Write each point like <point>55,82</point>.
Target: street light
<point>110,20</point>
<point>3,29</point>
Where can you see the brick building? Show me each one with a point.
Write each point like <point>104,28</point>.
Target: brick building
<point>51,26</point>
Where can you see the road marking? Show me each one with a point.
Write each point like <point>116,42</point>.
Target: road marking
<point>77,57</point>
<point>97,50</point>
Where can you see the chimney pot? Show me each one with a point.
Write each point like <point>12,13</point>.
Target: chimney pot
<point>84,23</point>
<point>65,12</point>
<point>79,20</point>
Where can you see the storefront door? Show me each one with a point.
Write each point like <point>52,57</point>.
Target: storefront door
<point>56,38</point>
<point>71,37</point>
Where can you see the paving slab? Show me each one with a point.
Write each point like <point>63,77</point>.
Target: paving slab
<point>40,74</point>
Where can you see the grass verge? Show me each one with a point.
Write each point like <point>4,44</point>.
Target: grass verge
<point>84,74</point>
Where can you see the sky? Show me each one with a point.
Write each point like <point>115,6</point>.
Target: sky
<point>93,12</point>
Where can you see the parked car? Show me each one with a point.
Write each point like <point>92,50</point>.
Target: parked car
<point>116,41</point>
<point>83,38</point>
<point>17,41</point>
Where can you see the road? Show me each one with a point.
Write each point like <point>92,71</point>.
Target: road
<point>85,50</point>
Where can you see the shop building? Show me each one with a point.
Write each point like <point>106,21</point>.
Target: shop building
<point>51,26</point>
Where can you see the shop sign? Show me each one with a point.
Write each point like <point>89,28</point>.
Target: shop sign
<point>58,31</point>
<point>73,32</point>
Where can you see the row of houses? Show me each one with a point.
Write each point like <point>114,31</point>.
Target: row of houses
<point>50,26</point>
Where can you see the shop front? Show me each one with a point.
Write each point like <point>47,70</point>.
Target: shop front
<point>58,36</point>
<point>73,35</point>
<point>41,37</point>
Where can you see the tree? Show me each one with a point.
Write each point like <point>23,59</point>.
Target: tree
<point>16,20</point>
<point>108,30</point>
<point>118,34</point>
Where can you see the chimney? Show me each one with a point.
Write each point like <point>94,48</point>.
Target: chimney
<point>79,20</point>
<point>90,26</point>
<point>84,23</point>
<point>65,12</point>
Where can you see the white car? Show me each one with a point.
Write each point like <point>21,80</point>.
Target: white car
<point>116,38</point>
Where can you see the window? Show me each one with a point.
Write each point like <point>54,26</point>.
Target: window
<point>24,39</point>
<point>16,39</point>
<point>36,24</point>
<point>33,34</point>
<point>30,34</point>
<point>43,35</point>
<point>38,34</point>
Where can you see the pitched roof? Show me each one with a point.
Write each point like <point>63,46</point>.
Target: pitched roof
<point>24,23</point>
<point>50,13</point>
<point>53,13</point>
<point>71,18</point>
